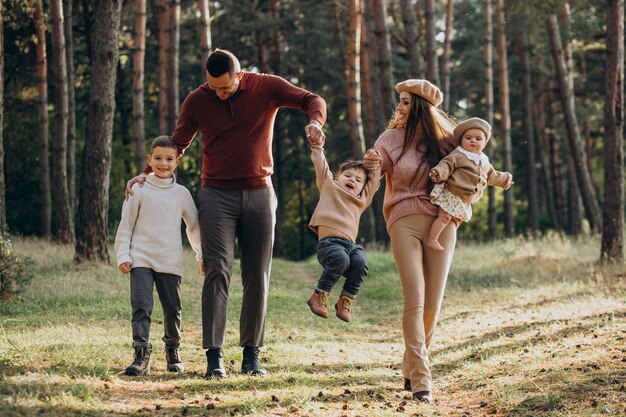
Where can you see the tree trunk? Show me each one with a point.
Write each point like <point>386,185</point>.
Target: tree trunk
<point>3,206</point>
<point>524,55</point>
<point>384,59</point>
<point>42,88</point>
<point>573,198</point>
<point>432,73</point>
<point>71,100</point>
<point>592,210</point>
<point>489,100</point>
<point>447,50</point>
<point>164,64</point>
<point>173,76</point>
<point>612,248</point>
<point>205,34</point>
<point>411,38</point>
<point>259,38</point>
<point>353,75</point>
<point>92,225</point>
<point>505,113</point>
<point>60,198</point>
<point>139,54</point>
<point>540,127</point>
<point>557,166</point>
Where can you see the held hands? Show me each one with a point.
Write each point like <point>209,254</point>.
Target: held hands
<point>138,179</point>
<point>372,160</point>
<point>510,183</point>
<point>125,267</point>
<point>314,134</point>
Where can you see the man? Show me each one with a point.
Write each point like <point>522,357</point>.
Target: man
<point>235,112</point>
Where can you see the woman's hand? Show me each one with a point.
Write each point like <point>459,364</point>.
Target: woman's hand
<point>372,160</point>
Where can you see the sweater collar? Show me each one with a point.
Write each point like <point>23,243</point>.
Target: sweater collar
<point>161,182</point>
<point>477,158</point>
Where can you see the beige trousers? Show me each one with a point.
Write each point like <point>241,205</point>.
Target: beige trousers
<point>423,273</point>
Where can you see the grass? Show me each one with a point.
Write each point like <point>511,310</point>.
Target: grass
<point>528,328</point>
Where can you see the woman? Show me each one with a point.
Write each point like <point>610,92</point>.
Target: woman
<point>417,137</point>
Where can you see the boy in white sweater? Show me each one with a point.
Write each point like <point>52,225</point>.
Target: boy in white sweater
<point>149,246</point>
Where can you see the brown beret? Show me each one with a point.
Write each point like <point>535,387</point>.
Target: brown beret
<point>423,88</point>
<point>473,123</point>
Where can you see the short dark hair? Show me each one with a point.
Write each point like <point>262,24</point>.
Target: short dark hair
<point>164,141</point>
<point>352,165</point>
<point>221,62</point>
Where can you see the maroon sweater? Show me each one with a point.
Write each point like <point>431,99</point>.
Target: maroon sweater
<point>237,133</point>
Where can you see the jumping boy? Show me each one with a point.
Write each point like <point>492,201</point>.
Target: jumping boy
<point>149,246</point>
<point>336,222</point>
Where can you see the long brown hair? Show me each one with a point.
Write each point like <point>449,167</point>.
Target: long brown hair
<point>435,125</point>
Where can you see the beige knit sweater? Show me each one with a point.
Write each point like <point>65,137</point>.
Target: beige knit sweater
<point>407,181</point>
<point>149,231</point>
<point>338,208</point>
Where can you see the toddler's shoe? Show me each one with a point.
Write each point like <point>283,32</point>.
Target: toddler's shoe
<point>141,364</point>
<point>174,364</point>
<point>319,303</point>
<point>344,307</point>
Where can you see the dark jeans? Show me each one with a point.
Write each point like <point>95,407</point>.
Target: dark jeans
<point>142,282</point>
<point>341,257</point>
<point>248,216</point>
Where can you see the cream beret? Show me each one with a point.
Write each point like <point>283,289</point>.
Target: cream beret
<point>423,88</point>
<point>473,123</point>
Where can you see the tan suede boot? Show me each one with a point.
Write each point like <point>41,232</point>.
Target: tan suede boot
<point>344,307</point>
<point>319,303</point>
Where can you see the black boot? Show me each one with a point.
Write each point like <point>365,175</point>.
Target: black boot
<point>141,364</point>
<point>174,364</point>
<point>215,363</point>
<point>250,364</point>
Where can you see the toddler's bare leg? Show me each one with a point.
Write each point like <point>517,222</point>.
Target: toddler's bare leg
<point>442,220</point>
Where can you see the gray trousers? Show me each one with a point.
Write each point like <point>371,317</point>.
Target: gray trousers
<point>142,282</point>
<point>249,216</point>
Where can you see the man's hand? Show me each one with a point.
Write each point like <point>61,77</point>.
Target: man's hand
<point>314,133</point>
<point>138,179</point>
<point>372,160</point>
<point>125,267</point>
<point>202,270</point>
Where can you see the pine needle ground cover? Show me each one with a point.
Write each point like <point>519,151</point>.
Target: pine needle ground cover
<point>528,328</point>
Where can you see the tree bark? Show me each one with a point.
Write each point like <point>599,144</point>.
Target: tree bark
<point>71,100</point>
<point>60,198</point>
<point>164,64</point>
<point>432,73</point>
<point>489,100</point>
<point>411,35</point>
<point>524,54</point>
<point>42,88</point>
<point>447,50</point>
<point>139,54</point>
<point>3,206</point>
<point>205,34</point>
<point>353,78</point>
<point>173,58</point>
<point>558,177</point>
<point>612,248</point>
<point>384,59</point>
<point>505,113</point>
<point>587,193</point>
<point>92,225</point>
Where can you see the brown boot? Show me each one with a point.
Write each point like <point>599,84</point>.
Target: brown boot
<point>319,303</point>
<point>344,307</point>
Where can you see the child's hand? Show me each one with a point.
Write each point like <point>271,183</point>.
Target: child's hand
<point>510,183</point>
<point>434,176</point>
<point>317,140</point>
<point>372,160</point>
<point>125,267</point>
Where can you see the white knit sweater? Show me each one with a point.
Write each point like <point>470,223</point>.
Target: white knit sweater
<point>149,231</point>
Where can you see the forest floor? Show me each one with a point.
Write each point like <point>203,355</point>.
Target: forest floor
<point>527,328</point>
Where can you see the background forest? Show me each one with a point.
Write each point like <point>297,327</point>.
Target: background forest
<point>538,70</point>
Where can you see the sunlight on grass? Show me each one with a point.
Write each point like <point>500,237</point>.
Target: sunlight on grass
<point>528,328</point>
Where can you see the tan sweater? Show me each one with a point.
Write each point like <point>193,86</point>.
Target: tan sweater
<point>407,190</point>
<point>464,178</point>
<point>338,208</point>
<point>149,231</point>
